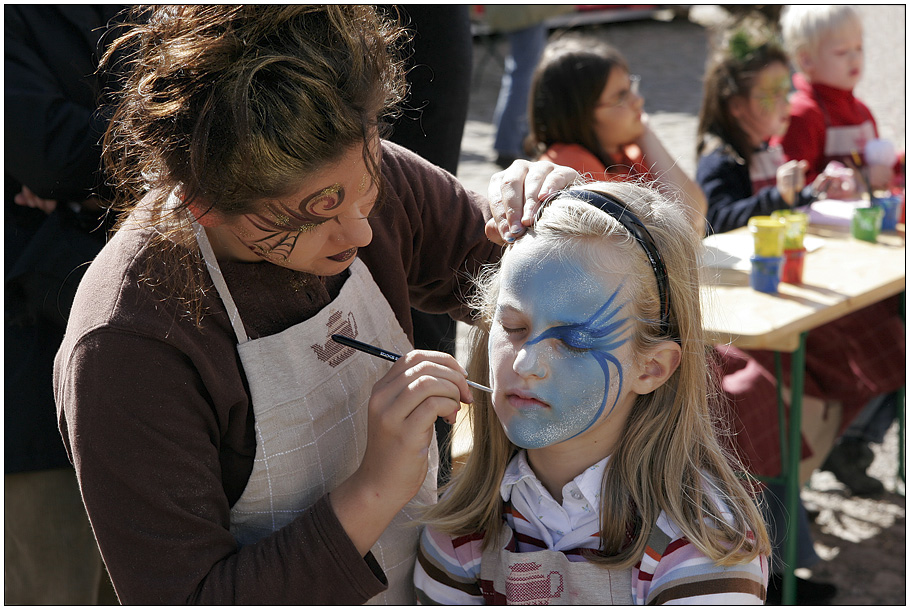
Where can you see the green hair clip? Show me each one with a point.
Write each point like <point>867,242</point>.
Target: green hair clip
<point>740,45</point>
<point>744,46</point>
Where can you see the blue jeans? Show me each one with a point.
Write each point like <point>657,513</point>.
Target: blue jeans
<point>511,114</point>
<point>874,420</point>
<point>775,515</point>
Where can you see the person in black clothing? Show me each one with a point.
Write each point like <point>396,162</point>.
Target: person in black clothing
<point>53,226</point>
<point>439,81</point>
<point>432,125</point>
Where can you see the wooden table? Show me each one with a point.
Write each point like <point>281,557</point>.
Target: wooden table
<point>842,276</point>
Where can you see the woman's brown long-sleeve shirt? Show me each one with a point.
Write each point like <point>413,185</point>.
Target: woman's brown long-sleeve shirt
<point>156,415</point>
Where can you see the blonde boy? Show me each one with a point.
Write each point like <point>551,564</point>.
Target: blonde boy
<point>827,123</point>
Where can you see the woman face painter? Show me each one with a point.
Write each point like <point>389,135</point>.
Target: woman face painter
<point>227,450</point>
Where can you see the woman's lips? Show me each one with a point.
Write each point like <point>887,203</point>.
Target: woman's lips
<point>343,256</point>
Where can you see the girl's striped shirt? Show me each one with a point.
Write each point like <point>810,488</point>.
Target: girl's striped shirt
<point>672,571</point>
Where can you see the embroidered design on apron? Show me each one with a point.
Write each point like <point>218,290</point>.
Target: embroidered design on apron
<point>331,352</point>
<point>310,404</point>
<point>542,578</point>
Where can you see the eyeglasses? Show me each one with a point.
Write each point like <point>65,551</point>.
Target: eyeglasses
<point>623,97</point>
<point>769,98</point>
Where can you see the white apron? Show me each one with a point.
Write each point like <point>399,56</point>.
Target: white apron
<point>309,397</point>
<point>543,578</point>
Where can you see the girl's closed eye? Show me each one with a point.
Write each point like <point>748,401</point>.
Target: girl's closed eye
<point>512,327</point>
<point>510,320</point>
<point>575,347</point>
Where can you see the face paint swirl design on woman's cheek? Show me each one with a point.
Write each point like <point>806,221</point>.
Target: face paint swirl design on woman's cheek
<point>284,226</point>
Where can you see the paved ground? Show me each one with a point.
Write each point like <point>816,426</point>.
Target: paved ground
<point>862,541</point>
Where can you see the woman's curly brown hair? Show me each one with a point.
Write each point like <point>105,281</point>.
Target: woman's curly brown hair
<point>236,103</point>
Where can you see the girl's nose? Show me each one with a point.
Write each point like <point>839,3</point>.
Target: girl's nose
<point>530,361</point>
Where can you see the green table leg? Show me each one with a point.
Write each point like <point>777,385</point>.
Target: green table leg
<point>901,406</point>
<point>797,374</point>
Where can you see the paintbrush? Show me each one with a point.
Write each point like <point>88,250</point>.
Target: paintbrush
<point>386,355</point>
<point>858,166</point>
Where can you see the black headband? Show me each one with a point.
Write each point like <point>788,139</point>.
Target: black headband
<point>615,208</point>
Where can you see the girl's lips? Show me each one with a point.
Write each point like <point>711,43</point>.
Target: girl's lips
<point>521,400</point>
<point>343,256</point>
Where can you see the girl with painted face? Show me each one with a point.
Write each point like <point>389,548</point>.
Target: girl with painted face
<point>228,451</point>
<point>745,104</point>
<point>595,476</point>
<point>850,363</point>
<point>849,360</point>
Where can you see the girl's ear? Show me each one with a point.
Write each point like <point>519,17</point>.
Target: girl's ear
<point>738,106</point>
<point>205,215</point>
<point>658,364</point>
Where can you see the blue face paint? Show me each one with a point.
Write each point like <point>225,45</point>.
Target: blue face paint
<point>557,347</point>
<point>600,336</point>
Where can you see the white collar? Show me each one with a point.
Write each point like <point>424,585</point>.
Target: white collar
<point>588,483</point>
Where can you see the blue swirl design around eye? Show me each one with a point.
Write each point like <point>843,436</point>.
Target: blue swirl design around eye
<point>601,334</point>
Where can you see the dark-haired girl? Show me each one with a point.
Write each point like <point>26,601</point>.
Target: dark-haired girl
<point>586,113</point>
<point>849,361</point>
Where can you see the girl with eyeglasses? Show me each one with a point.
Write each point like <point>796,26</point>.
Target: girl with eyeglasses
<point>586,113</point>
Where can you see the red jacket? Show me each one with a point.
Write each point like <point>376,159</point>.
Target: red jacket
<point>826,124</point>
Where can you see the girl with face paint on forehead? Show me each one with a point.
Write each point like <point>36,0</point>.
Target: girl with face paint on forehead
<point>595,475</point>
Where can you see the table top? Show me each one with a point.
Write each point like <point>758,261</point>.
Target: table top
<point>841,276</point>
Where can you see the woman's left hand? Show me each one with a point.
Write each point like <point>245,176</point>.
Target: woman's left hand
<point>516,193</point>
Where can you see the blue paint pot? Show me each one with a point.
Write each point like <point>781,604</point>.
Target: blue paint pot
<point>891,205</point>
<point>765,273</point>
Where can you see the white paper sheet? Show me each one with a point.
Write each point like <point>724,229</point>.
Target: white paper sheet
<point>833,212</point>
<point>732,250</point>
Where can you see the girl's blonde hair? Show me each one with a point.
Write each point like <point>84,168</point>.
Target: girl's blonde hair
<point>668,458</point>
<point>804,26</point>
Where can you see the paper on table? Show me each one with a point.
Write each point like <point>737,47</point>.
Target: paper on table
<point>732,250</point>
<point>834,212</point>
